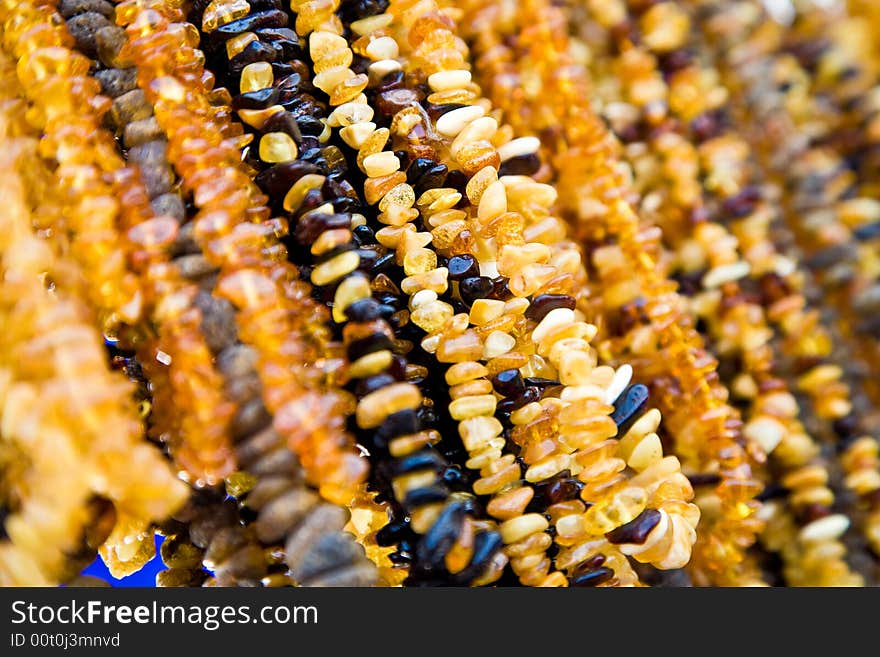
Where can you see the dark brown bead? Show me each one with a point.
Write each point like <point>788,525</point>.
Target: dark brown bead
<point>277,180</point>
<point>593,577</point>
<point>508,383</point>
<point>251,22</point>
<point>391,102</point>
<point>521,165</point>
<point>475,287</point>
<point>218,321</point>
<point>310,226</point>
<point>157,179</point>
<point>637,530</point>
<point>544,303</point>
<point>463,266</point>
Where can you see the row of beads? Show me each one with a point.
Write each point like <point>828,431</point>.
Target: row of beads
<point>197,440</point>
<point>275,314</point>
<point>740,328</point>
<point>81,484</point>
<point>465,139</point>
<point>304,183</point>
<point>588,141</point>
<point>747,52</point>
<point>415,470</point>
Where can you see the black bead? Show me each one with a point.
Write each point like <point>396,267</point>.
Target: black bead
<point>345,204</point>
<point>392,533</point>
<point>772,492</point>
<point>501,289</point>
<point>283,122</point>
<point>526,396</point>
<point>559,488</point>
<point>426,495</point>
<point>368,345</point>
<point>353,10</point>
<point>277,180</point>
<point>441,536</point>
<point>458,181</point>
<point>521,165</point>
<point>475,287</point>
<point>364,310</point>
<point>453,476</point>
<point>249,23</point>
<point>373,383</point>
<point>256,100</point>
<point>255,51</point>
<point>397,424</point>
<point>486,546</point>
<point>593,577</point>
<point>364,235</point>
<point>508,383</point>
<point>376,260</point>
<point>704,479</point>
<point>538,382</point>
<point>283,39</point>
<point>868,231</point>
<point>422,460</point>
<point>462,266</point>
<point>629,406</point>
<point>309,125</point>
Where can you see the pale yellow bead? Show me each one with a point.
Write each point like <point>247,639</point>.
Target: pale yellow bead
<point>335,268</point>
<point>256,76</point>
<point>516,529</point>
<point>278,147</point>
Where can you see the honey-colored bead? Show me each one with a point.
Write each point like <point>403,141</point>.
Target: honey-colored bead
<point>335,268</point>
<point>256,76</point>
<point>221,12</point>
<point>511,504</point>
<point>277,147</point>
<point>375,407</point>
<point>464,347</point>
<point>620,509</point>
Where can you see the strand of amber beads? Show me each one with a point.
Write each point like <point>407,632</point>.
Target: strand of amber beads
<point>275,313</point>
<point>676,180</point>
<point>86,469</point>
<point>299,182</point>
<point>591,155</point>
<point>830,221</point>
<point>547,464</point>
<point>671,188</point>
<point>473,403</point>
<point>67,106</point>
<point>519,154</point>
<point>747,48</point>
<point>197,439</point>
<point>389,405</point>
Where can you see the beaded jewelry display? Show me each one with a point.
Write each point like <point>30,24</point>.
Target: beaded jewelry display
<point>423,293</point>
